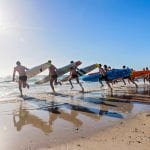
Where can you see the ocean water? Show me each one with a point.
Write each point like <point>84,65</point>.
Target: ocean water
<point>94,94</point>
<point>9,89</point>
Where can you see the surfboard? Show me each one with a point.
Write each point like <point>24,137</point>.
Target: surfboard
<point>137,74</point>
<point>37,69</point>
<point>60,72</point>
<point>118,73</point>
<point>82,71</point>
<point>111,75</point>
<point>94,77</point>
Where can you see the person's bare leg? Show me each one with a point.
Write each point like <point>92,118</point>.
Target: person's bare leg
<point>52,86</point>
<point>132,80</point>
<point>124,81</point>
<point>71,83</point>
<point>77,79</point>
<point>107,82</point>
<point>57,82</point>
<point>100,81</point>
<point>128,80</point>
<point>20,88</point>
<point>25,84</point>
<point>144,80</point>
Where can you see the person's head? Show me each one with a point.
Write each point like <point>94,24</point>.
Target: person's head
<point>18,63</point>
<point>71,62</point>
<point>124,67</point>
<point>100,65</point>
<point>49,61</point>
<point>105,66</point>
<point>146,68</point>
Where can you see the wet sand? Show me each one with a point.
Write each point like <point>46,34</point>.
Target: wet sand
<point>73,120</point>
<point>130,134</point>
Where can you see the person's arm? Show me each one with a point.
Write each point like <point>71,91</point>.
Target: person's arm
<point>70,72</point>
<point>49,71</point>
<point>26,68</point>
<point>55,68</point>
<point>77,69</point>
<point>14,72</point>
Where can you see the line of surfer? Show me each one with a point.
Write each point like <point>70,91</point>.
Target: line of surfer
<point>74,74</point>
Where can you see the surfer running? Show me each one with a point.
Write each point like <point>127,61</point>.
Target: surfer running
<point>53,76</point>
<point>74,75</point>
<point>124,67</point>
<point>102,72</point>
<point>147,77</point>
<point>103,75</point>
<point>132,79</point>
<point>22,76</point>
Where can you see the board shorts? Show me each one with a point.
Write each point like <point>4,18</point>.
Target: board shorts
<point>53,76</point>
<point>23,78</point>
<point>103,78</point>
<point>74,76</point>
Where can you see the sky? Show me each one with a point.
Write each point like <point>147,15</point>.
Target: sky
<point>112,32</point>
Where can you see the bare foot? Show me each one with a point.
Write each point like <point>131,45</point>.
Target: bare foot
<point>60,83</point>
<point>28,86</point>
<point>21,95</point>
<point>82,90</point>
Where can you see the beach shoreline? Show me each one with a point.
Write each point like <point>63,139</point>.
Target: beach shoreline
<point>71,120</point>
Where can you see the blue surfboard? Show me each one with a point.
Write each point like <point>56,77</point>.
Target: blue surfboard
<point>111,75</point>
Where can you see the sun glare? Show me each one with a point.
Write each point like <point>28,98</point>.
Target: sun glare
<point>6,17</point>
<point>3,18</point>
<point>3,28</point>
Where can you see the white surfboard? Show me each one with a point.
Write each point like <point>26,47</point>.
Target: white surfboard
<point>37,69</point>
<point>60,72</point>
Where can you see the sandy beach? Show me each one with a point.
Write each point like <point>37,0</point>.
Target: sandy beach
<point>74,75</point>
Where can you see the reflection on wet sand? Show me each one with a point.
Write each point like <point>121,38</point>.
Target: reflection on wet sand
<point>88,110</point>
<point>25,117</point>
<point>108,104</point>
<point>72,118</point>
<point>112,105</point>
<point>142,90</point>
<point>119,106</point>
<point>138,96</point>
